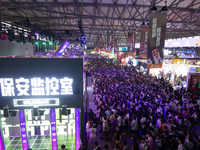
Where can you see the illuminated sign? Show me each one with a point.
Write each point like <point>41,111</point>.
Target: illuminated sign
<point>23,129</point>
<point>40,78</point>
<point>36,86</point>
<point>53,129</point>
<point>62,48</point>
<point>36,102</point>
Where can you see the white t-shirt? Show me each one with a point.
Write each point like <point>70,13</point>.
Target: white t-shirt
<point>93,132</point>
<point>87,127</point>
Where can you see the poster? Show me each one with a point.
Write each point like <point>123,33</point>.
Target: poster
<point>157,29</point>
<point>131,41</point>
<point>144,38</point>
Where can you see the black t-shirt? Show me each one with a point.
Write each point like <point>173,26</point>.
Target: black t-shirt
<point>166,142</point>
<point>95,120</point>
<point>118,134</point>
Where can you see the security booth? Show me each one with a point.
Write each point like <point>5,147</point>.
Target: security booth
<point>41,102</point>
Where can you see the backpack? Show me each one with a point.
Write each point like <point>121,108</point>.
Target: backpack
<point>107,127</point>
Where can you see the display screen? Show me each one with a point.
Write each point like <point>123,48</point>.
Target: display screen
<point>198,85</point>
<point>43,82</point>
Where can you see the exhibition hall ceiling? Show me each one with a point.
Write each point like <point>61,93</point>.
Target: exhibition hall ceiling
<point>102,16</point>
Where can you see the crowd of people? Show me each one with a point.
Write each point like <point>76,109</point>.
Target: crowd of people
<point>146,108</point>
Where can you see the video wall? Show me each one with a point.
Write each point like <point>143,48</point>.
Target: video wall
<point>43,82</point>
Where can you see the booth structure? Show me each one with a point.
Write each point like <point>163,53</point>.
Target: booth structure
<point>41,102</point>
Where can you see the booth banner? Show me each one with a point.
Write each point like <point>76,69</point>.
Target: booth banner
<point>144,38</point>
<point>157,29</point>
<point>116,45</point>
<point>53,129</point>
<point>176,61</point>
<point>109,41</point>
<point>77,128</point>
<point>131,41</point>
<point>108,51</point>
<point>22,117</point>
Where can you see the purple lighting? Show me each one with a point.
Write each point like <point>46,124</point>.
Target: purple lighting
<point>23,129</point>
<point>77,128</point>
<point>62,48</point>
<point>53,129</point>
<point>1,144</point>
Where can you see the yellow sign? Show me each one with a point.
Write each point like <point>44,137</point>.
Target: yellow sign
<point>176,61</point>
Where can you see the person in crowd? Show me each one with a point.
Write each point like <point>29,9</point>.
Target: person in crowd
<point>62,147</point>
<point>134,125</point>
<point>135,145</point>
<point>97,146</point>
<point>95,121</point>
<point>158,142</point>
<point>143,145</point>
<point>117,147</point>
<point>93,134</point>
<point>106,127</point>
<point>180,145</point>
<point>106,147</point>
<point>150,142</point>
<point>117,136</point>
<point>88,129</point>
<point>126,147</point>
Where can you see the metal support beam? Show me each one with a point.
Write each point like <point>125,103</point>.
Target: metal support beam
<point>100,7</point>
<point>173,9</point>
<point>125,9</point>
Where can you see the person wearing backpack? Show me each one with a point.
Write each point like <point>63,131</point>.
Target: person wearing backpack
<point>97,146</point>
<point>106,127</point>
<point>158,142</point>
<point>143,145</point>
<point>125,124</point>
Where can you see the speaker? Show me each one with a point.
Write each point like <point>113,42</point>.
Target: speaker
<point>6,112</point>
<point>64,111</point>
<point>35,112</point>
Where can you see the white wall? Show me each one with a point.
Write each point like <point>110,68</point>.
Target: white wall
<point>7,48</point>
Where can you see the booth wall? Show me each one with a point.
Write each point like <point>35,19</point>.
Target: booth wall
<point>7,48</point>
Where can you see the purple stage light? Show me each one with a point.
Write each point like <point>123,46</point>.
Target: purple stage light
<point>53,129</point>
<point>23,130</point>
<point>77,128</point>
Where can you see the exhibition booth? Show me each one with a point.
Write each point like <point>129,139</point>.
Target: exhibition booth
<point>41,103</point>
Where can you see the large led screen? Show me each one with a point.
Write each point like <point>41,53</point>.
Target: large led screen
<point>41,82</point>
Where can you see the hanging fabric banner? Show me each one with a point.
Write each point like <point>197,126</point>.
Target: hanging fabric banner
<point>157,29</point>
<point>109,41</point>
<point>144,38</point>
<point>116,45</point>
<point>131,42</point>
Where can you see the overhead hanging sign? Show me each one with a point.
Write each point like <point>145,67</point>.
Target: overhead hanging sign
<point>144,38</point>
<point>109,41</point>
<point>157,29</point>
<point>116,45</point>
<point>131,41</point>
